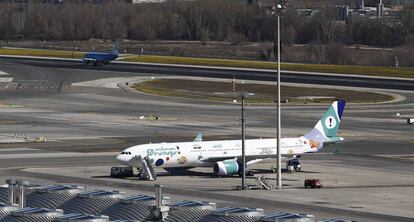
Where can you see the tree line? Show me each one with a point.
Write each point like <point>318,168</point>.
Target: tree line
<point>213,20</point>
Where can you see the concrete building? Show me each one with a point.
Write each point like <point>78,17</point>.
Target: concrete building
<point>341,12</point>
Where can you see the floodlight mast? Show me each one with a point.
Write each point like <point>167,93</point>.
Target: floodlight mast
<point>243,144</point>
<point>278,10</point>
<point>243,96</point>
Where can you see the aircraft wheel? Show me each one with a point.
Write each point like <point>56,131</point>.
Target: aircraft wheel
<point>250,173</point>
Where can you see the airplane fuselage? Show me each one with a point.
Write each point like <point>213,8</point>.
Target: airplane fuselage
<point>204,154</point>
<point>99,57</point>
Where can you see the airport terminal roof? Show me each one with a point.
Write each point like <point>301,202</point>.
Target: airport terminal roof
<point>238,211</point>
<point>60,188</point>
<point>103,206</point>
<point>142,199</point>
<point>52,196</point>
<point>4,190</point>
<point>31,188</point>
<point>283,216</point>
<point>191,205</point>
<point>234,214</point>
<point>33,215</point>
<point>6,209</point>
<point>132,208</point>
<point>189,210</point>
<point>82,217</point>
<point>92,202</point>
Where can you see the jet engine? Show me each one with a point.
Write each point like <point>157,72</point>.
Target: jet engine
<point>226,168</point>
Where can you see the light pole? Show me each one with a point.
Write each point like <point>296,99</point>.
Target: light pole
<point>278,151</point>
<point>243,145</point>
<point>243,96</point>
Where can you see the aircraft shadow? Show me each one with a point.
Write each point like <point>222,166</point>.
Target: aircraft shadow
<point>187,173</point>
<point>101,177</point>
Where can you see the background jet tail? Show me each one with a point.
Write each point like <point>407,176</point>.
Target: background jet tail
<point>115,49</point>
<point>325,131</point>
<point>198,138</point>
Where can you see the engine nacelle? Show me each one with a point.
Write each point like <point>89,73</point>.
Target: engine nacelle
<point>226,168</point>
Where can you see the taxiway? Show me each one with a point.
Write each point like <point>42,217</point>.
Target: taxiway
<point>87,125</point>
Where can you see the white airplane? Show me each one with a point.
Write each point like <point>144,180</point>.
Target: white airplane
<point>225,155</point>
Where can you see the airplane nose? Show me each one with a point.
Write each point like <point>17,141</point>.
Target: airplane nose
<point>121,158</point>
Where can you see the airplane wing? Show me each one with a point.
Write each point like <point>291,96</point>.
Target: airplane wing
<point>216,159</point>
<point>249,159</point>
<point>121,57</point>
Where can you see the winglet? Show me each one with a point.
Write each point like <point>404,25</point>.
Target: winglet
<point>198,138</point>
<point>341,107</point>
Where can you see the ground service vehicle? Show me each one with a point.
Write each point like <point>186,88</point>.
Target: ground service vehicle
<point>122,172</point>
<point>295,163</point>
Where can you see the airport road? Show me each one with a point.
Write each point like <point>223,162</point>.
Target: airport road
<point>102,121</point>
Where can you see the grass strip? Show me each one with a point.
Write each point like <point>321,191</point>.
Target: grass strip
<point>41,52</point>
<point>221,91</point>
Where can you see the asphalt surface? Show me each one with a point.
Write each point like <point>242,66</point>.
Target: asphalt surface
<point>82,122</point>
<point>221,73</point>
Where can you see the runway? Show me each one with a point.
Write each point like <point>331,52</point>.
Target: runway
<point>86,126</point>
<point>264,75</point>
